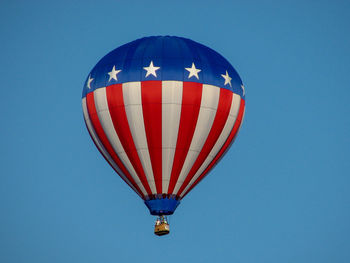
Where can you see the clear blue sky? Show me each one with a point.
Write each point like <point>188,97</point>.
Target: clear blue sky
<point>280,195</point>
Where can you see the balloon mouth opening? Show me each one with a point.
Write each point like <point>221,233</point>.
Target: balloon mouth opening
<point>162,205</point>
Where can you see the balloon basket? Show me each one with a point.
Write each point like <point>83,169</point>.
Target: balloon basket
<point>161,227</point>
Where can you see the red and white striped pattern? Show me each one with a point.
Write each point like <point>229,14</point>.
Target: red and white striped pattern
<point>162,137</point>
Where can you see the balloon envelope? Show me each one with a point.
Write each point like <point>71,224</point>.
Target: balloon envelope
<point>162,111</point>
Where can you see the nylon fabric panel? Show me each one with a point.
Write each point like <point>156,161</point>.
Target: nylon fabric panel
<point>134,113</point>
<point>91,110</point>
<point>121,125</point>
<point>237,126</point>
<point>225,147</point>
<point>171,112</point>
<point>101,149</point>
<point>208,108</point>
<point>191,101</point>
<point>235,102</point>
<point>108,128</point>
<point>151,94</point>
<point>222,113</point>
<point>240,126</point>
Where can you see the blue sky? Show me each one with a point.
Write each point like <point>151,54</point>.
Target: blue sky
<point>279,195</point>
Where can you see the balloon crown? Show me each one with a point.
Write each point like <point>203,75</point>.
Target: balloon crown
<point>164,58</point>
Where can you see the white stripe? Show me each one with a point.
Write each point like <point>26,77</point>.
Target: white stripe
<point>100,145</point>
<point>207,112</point>
<point>171,112</point>
<point>236,99</point>
<point>133,108</point>
<point>108,127</point>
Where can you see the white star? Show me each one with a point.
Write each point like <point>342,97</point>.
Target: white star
<point>243,90</point>
<point>89,82</point>
<point>227,79</point>
<point>113,74</point>
<point>193,72</point>
<point>151,70</point>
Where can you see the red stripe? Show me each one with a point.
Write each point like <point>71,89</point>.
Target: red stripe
<point>90,102</point>
<point>120,122</point>
<point>224,148</point>
<point>222,112</point>
<point>151,94</point>
<point>191,102</point>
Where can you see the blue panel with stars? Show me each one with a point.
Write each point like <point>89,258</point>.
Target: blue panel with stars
<point>164,58</point>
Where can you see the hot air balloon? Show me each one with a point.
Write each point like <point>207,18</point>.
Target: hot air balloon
<point>162,111</point>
